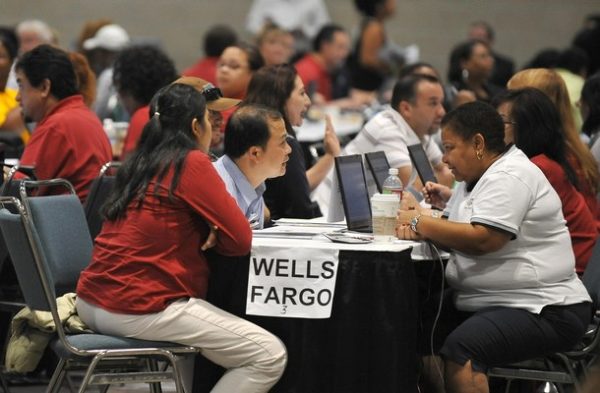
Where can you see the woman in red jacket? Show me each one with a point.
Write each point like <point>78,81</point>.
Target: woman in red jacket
<point>533,124</point>
<point>148,275</point>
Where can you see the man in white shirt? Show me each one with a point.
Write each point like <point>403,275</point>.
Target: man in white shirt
<point>256,149</point>
<point>415,113</point>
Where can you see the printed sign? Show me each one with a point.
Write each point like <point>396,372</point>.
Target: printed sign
<point>291,282</point>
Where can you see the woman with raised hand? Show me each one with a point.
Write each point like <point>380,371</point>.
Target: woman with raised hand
<point>514,294</point>
<point>279,87</point>
<point>149,274</point>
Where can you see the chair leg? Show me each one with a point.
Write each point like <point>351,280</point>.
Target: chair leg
<point>4,383</point>
<point>57,377</point>
<point>155,387</point>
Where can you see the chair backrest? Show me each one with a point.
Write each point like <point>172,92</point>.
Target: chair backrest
<point>63,233</point>
<point>99,192</point>
<point>591,275</point>
<point>20,248</point>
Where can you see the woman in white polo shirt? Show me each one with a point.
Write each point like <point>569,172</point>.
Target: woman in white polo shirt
<point>515,294</point>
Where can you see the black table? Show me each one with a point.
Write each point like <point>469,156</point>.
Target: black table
<point>369,344</point>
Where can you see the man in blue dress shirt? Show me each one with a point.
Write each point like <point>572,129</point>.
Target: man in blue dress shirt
<point>256,149</point>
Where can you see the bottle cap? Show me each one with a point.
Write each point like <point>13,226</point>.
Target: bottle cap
<point>393,171</point>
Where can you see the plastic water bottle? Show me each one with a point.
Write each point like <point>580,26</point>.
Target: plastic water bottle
<point>392,184</point>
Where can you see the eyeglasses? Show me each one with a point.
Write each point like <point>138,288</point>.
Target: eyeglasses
<point>210,92</point>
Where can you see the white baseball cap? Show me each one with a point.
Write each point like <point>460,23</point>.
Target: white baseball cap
<point>111,37</point>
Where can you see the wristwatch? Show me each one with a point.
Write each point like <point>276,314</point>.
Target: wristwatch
<point>414,222</point>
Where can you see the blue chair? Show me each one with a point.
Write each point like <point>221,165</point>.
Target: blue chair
<point>49,242</point>
<point>564,368</point>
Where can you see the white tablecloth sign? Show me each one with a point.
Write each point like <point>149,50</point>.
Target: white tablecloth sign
<point>291,282</point>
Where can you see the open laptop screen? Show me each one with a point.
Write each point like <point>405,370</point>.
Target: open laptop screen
<point>355,196</point>
<point>379,167</point>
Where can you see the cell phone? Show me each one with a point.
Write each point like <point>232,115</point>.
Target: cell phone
<point>421,163</point>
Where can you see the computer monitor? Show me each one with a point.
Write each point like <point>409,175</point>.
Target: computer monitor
<point>421,163</point>
<point>379,167</point>
<point>355,195</point>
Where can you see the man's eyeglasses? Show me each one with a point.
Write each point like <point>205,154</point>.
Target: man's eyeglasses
<point>210,92</point>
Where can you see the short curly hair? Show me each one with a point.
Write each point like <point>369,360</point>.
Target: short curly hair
<point>141,71</point>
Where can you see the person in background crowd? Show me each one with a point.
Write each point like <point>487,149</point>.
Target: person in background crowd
<point>216,39</point>
<point>215,104</point>
<point>588,39</point>
<point>30,33</point>
<point>589,104</point>
<point>513,294</point>
<point>102,49</point>
<point>546,58</point>
<point>504,67</point>
<point>280,88</point>
<point>302,18</point>
<point>69,141</point>
<point>370,64</point>
<point>10,113</point>
<point>138,73</point>
<point>470,68</point>
<point>256,149</point>
<point>235,68</point>
<point>532,123</point>
<point>578,154</point>
<point>86,80</point>
<point>89,30</point>
<point>330,49</point>
<point>149,273</point>
<point>33,32</point>
<point>275,44</point>
<point>572,66</point>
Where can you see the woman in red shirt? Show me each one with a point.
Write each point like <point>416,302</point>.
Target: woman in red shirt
<point>148,275</point>
<point>533,124</point>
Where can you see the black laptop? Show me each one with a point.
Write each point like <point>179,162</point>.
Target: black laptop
<point>355,195</point>
<point>421,163</point>
<point>379,166</point>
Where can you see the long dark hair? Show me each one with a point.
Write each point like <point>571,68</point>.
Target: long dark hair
<point>165,143</point>
<point>537,126</point>
<point>271,86</point>
<point>590,95</point>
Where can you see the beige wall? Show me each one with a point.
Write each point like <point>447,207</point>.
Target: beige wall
<point>522,26</point>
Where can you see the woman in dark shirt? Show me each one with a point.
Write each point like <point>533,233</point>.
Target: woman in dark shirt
<point>279,87</point>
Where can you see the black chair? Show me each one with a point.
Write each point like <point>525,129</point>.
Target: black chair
<point>99,191</point>
<point>564,368</point>
<point>50,244</point>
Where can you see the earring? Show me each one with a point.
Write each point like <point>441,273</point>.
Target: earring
<point>479,155</point>
<point>465,74</point>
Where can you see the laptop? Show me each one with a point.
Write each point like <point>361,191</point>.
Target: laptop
<point>355,195</point>
<point>379,167</point>
<point>421,163</point>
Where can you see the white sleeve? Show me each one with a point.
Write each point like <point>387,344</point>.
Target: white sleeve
<point>501,201</point>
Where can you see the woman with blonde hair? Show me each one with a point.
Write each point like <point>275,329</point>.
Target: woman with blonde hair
<point>579,155</point>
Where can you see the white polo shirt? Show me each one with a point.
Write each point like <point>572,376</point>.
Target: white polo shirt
<point>534,269</point>
<point>387,131</point>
